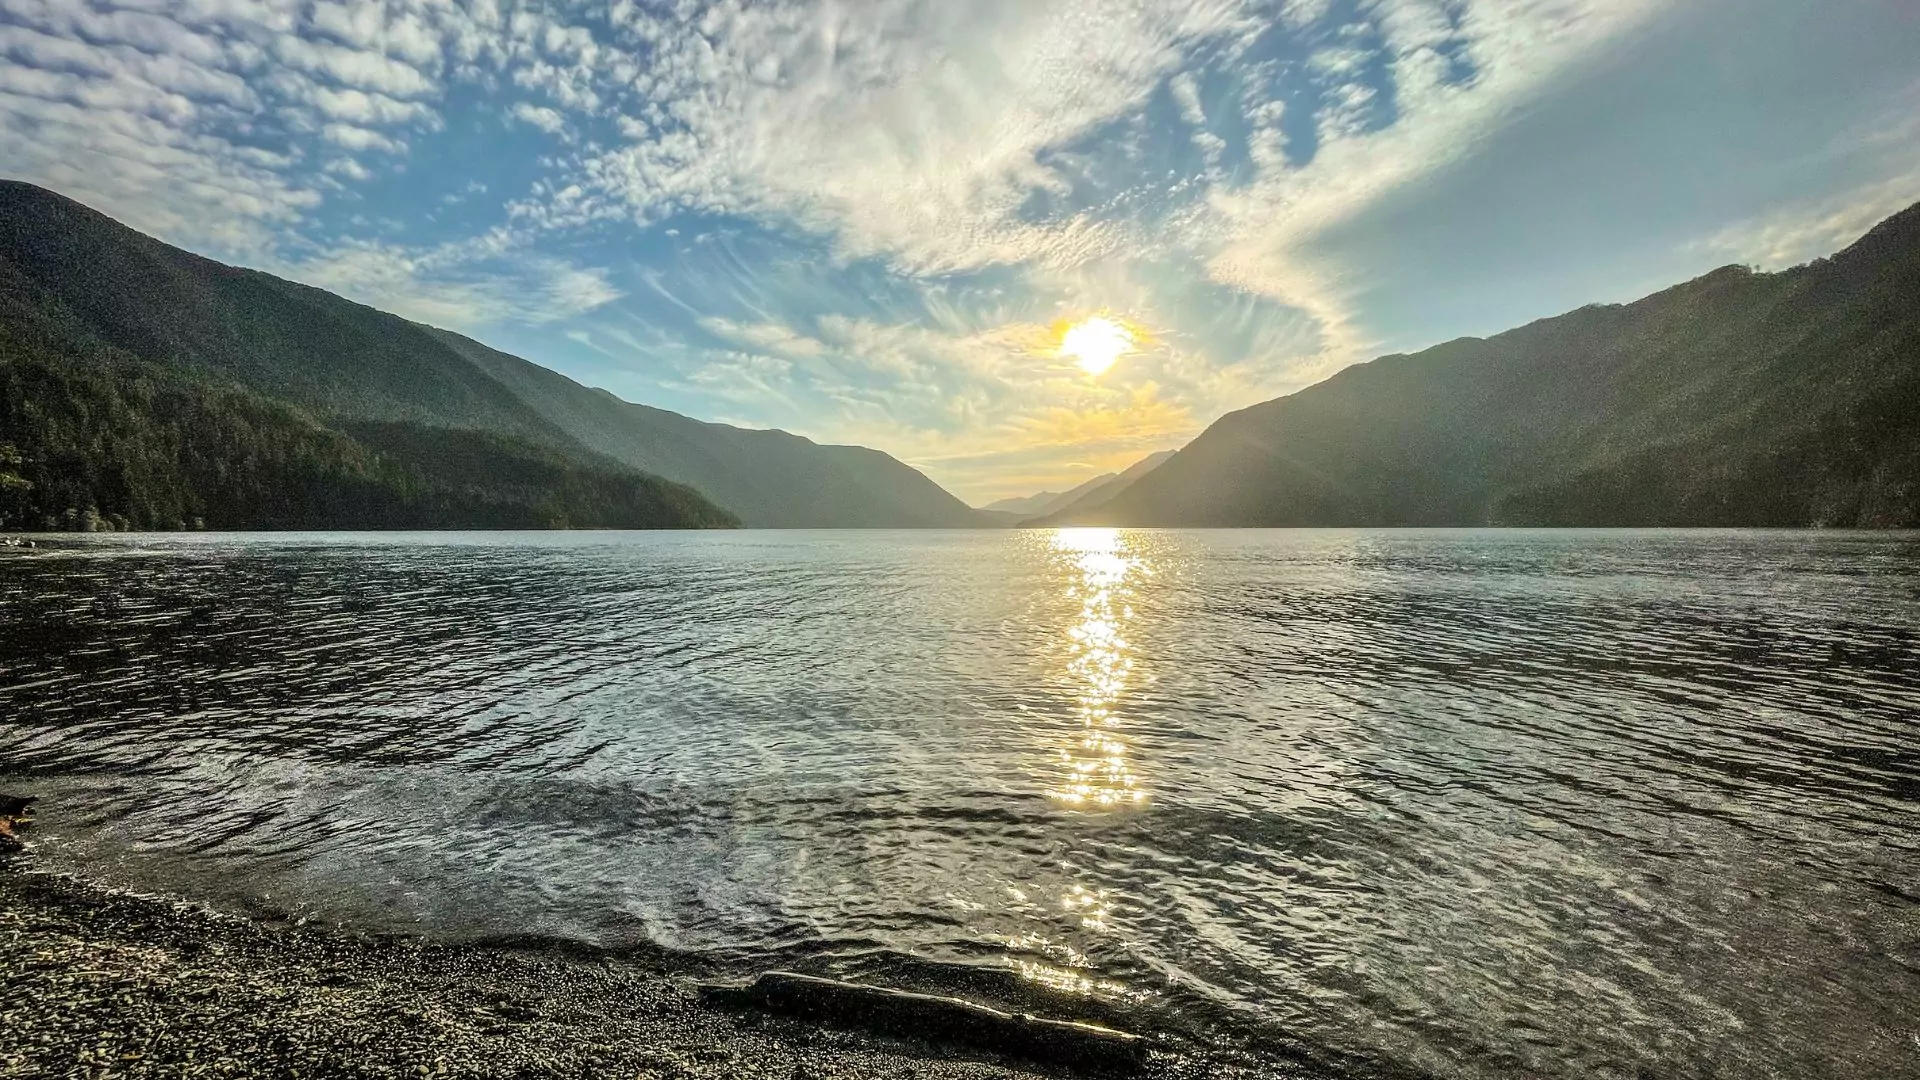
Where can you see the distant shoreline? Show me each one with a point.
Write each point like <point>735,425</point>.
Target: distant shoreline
<point>28,540</point>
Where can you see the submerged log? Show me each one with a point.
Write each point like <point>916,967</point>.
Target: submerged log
<point>932,1017</point>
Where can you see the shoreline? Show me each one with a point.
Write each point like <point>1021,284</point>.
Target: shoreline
<point>102,982</point>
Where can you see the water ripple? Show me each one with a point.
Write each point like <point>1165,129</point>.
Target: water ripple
<point>1616,804</point>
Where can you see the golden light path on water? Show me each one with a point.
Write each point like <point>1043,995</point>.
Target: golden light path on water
<point>1097,773</point>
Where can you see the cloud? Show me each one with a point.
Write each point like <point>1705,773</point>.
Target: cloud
<point>942,139</point>
<point>465,286</point>
<point>801,115</point>
<point>1793,234</point>
<point>149,172</point>
<point>1880,148</point>
<point>1263,232</point>
<point>194,123</point>
<point>349,168</point>
<point>363,107</point>
<point>352,137</point>
<point>363,68</point>
<point>980,409</point>
<point>208,123</point>
<point>547,120</point>
<point>766,337</point>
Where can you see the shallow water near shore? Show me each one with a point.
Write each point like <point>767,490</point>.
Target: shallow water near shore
<point>1578,804</point>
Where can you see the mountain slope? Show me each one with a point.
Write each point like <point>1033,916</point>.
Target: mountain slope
<point>1738,398</point>
<point>1037,503</point>
<point>344,363</point>
<point>93,439</point>
<point>1094,494</point>
<point>1087,494</point>
<point>1042,502</point>
<point>772,479</point>
<point>292,342</point>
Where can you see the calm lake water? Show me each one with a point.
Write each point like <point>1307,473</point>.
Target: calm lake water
<point>1460,803</point>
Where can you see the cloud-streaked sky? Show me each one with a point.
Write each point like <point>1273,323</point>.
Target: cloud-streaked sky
<point>865,220</point>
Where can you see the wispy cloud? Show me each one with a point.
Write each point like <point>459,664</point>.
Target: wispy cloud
<point>1264,231</point>
<point>464,286</point>
<point>1884,148</point>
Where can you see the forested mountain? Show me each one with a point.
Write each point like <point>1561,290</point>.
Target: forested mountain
<point>772,479</point>
<point>1739,398</point>
<point>91,438</point>
<point>345,365</point>
<point>152,387</point>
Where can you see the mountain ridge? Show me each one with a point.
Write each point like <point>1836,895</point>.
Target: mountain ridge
<point>1735,398</point>
<point>94,439</point>
<point>1091,495</point>
<point>1089,492</point>
<point>346,363</point>
<point>774,473</point>
<point>1041,502</point>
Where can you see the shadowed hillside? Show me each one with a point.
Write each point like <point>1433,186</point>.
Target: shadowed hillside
<point>772,479</point>
<point>345,364</point>
<point>92,439</point>
<point>1738,398</point>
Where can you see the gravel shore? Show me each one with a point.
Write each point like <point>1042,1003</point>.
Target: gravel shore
<point>99,983</point>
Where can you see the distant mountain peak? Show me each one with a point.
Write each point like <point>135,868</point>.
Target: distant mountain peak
<point>1087,493</point>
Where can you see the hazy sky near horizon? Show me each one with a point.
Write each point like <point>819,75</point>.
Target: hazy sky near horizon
<point>866,220</point>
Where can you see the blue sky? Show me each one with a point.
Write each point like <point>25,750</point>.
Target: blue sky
<point>867,220</point>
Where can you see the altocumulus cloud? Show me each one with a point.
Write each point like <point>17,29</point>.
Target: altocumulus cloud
<point>866,222</point>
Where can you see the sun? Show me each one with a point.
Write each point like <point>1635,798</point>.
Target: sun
<point>1096,342</point>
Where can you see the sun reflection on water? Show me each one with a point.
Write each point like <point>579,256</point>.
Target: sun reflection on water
<point>1069,924</point>
<point>1073,976</point>
<point>1098,769</point>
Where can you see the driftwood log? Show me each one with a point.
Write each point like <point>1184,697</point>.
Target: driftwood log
<point>931,1017</point>
<point>14,810</point>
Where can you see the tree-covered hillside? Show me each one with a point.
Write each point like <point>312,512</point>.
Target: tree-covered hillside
<point>1739,398</point>
<point>347,364</point>
<point>93,439</point>
<point>770,478</point>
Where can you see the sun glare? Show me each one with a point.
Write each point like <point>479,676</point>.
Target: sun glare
<point>1095,343</point>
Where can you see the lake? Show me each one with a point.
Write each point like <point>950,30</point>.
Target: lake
<point>1452,803</point>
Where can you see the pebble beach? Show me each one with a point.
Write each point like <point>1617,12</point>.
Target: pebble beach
<point>103,983</point>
